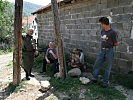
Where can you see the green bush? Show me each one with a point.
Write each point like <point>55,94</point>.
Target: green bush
<point>6,51</point>
<point>38,61</point>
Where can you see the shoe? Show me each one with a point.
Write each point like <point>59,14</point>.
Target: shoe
<point>42,71</point>
<point>105,85</point>
<point>93,81</point>
<point>27,78</point>
<point>31,75</point>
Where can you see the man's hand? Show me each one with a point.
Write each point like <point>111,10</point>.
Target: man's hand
<point>48,61</point>
<point>117,44</point>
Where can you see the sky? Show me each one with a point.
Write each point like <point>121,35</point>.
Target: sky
<point>39,2</point>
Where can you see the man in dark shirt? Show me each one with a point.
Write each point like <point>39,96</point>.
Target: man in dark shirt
<point>28,50</point>
<point>51,57</point>
<point>109,40</point>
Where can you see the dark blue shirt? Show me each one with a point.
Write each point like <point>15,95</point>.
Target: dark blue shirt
<point>50,55</point>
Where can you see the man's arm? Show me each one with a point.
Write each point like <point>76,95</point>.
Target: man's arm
<point>54,55</point>
<point>117,44</point>
<point>46,56</point>
<point>115,38</point>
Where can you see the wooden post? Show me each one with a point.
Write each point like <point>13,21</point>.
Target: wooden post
<point>58,37</point>
<point>17,42</point>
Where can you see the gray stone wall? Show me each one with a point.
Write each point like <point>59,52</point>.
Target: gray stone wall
<point>80,28</point>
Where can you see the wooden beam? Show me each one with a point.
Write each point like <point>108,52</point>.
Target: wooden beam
<point>58,37</point>
<point>17,42</point>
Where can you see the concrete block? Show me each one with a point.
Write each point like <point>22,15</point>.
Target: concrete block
<point>122,18</point>
<point>86,8</point>
<point>88,26</point>
<point>78,21</point>
<point>129,42</point>
<point>131,49</point>
<point>128,9</point>
<point>80,15</point>
<point>74,16</point>
<point>105,12</point>
<point>95,26</point>
<point>112,3</point>
<point>87,14</point>
<point>79,10</point>
<point>127,56</point>
<point>93,20</point>
<point>84,21</point>
<point>96,13</point>
<point>93,7</point>
<point>123,65</point>
<point>125,2</point>
<point>117,10</point>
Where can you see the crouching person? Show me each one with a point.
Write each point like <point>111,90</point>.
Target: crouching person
<point>77,63</point>
<point>51,57</point>
<point>77,59</point>
<point>28,51</point>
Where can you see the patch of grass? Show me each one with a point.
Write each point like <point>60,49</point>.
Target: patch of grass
<point>38,62</point>
<point>123,79</point>
<point>5,51</point>
<point>15,88</point>
<point>66,84</point>
<point>73,88</point>
<point>10,64</point>
<point>105,93</point>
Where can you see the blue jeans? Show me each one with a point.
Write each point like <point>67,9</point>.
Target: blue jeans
<point>104,55</point>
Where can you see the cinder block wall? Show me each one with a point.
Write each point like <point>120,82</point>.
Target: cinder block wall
<point>80,28</point>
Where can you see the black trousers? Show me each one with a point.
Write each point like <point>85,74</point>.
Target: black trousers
<point>27,73</point>
<point>55,67</point>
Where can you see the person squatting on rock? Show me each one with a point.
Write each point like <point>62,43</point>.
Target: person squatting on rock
<point>51,57</point>
<point>109,40</point>
<point>77,59</point>
<point>28,50</point>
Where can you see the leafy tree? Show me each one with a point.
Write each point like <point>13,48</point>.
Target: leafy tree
<point>6,20</point>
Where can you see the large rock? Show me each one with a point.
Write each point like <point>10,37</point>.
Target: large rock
<point>57,75</point>
<point>74,72</point>
<point>84,80</point>
<point>45,85</point>
<point>51,97</point>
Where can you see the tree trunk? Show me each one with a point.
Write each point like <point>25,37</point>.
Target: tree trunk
<point>17,42</point>
<point>58,37</point>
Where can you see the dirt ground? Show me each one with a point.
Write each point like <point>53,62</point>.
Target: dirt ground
<point>30,89</point>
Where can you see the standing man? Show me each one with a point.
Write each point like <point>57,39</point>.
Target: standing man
<point>28,50</point>
<point>109,40</point>
<point>51,57</point>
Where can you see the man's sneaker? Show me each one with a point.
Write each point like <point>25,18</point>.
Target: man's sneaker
<point>31,75</point>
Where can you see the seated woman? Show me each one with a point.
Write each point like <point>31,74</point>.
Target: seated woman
<point>77,59</point>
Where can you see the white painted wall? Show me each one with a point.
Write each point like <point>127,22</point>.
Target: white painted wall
<point>34,26</point>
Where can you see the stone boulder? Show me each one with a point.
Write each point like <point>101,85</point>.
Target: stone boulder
<point>74,72</point>
<point>57,75</point>
<point>84,80</point>
<point>45,85</point>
